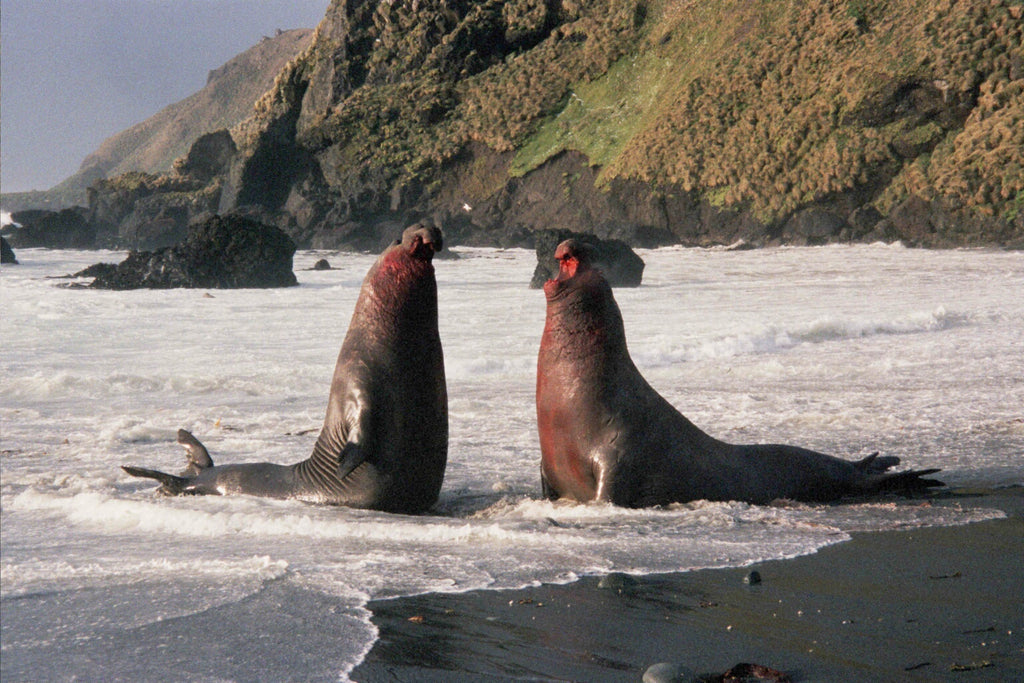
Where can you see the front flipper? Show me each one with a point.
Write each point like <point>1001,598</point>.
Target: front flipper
<point>341,446</point>
<point>546,490</point>
<point>351,457</point>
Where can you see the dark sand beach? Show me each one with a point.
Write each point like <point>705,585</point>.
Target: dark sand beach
<point>931,604</point>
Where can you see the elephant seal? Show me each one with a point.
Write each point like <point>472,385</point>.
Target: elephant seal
<point>384,442</point>
<point>606,435</point>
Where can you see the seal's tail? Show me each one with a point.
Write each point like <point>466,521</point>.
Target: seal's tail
<point>878,478</point>
<point>170,484</point>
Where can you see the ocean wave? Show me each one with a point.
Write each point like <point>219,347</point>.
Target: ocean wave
<point>26,576</point>
<point>773,338</point>
<point>69,384</point>
<point>115,514</point>
<point>509,520</point>
<point>489,366</point>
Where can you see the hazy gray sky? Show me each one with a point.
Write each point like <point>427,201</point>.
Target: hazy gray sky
<point>74,72</point>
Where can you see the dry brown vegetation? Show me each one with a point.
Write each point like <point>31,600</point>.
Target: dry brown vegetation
<point>764,107</point>
<point>823,97</point>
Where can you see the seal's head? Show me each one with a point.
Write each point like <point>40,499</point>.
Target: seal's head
<point>404,273</point>
<point>579,299</point>
<point>572,255</point>
<point>422,241</point>
<point>575,268</point>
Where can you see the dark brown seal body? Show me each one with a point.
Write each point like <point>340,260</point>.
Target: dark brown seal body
<point>607,435</point>
<point>384,442</point>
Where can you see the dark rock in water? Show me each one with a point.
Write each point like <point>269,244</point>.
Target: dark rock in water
<point>6,253</point>
<point>753,578</point>
<point>98,270</point>
<point>65,229</point>
<point>619,263</point>
<point>322,264</point>
<point>222,252</point>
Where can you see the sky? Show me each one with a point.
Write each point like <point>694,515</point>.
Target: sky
<point>75,72</point>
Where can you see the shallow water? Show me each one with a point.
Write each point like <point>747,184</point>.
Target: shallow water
<point>847,350</point>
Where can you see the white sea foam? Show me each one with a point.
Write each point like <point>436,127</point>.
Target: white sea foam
<point>846,350</point>
<point>36,575</point>
<point>768,339</point>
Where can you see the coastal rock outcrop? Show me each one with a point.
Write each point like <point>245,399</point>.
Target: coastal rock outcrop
<point>496,120</point>
<point>64,229</point>
<point>224,252</point>
<point>6,253</point>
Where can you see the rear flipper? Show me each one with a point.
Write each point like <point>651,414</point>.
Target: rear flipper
<point>171,485</point>
<point>198,460</point>
<point>879,479</point>
<point>198,457</point>
<point>902,482</point>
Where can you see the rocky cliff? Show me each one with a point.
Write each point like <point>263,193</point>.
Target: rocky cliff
<point>653,121</point>
<point>152,145</point>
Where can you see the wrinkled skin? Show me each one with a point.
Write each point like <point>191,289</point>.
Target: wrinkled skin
<point>384,442</point>
<point>606,435</point>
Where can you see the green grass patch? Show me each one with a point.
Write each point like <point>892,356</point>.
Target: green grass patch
<point>598,117</point>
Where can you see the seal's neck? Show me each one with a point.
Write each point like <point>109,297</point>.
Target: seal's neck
<point>400,288</point>
<point>583,320</point>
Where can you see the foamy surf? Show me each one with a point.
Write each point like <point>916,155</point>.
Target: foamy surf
<point>845,350</point>
<point>768,339</point>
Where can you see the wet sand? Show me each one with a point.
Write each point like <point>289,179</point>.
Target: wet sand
<point>932,604</point>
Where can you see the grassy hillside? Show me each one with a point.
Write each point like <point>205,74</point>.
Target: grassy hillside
<point>762,107</point>
<point>771,106</point>
<point>657,121</point>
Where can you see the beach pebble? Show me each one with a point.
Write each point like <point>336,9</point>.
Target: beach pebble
<point>667,673</point>
<point>617,581</point>
<point>753,578</point>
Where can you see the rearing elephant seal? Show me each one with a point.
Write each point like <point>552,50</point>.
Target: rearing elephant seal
<point>384,443</point>
<point>606,435</point>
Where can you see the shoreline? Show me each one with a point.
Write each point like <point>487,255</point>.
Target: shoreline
<point>928,604</point>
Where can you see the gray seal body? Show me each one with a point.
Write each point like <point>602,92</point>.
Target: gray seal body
<point>607,435</point>
<point>384,442</point>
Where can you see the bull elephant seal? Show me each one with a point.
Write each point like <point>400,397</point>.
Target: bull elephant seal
<point>606,435</point>
<point>384,442</point>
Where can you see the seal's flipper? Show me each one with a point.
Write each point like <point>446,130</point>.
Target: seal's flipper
<point>911,480</point>
<point>880,479</point>
<point>171,485</point>
<point>198,457</point>
<point>875,465</point>
<point>351,457</point>
<point>545,488</point>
